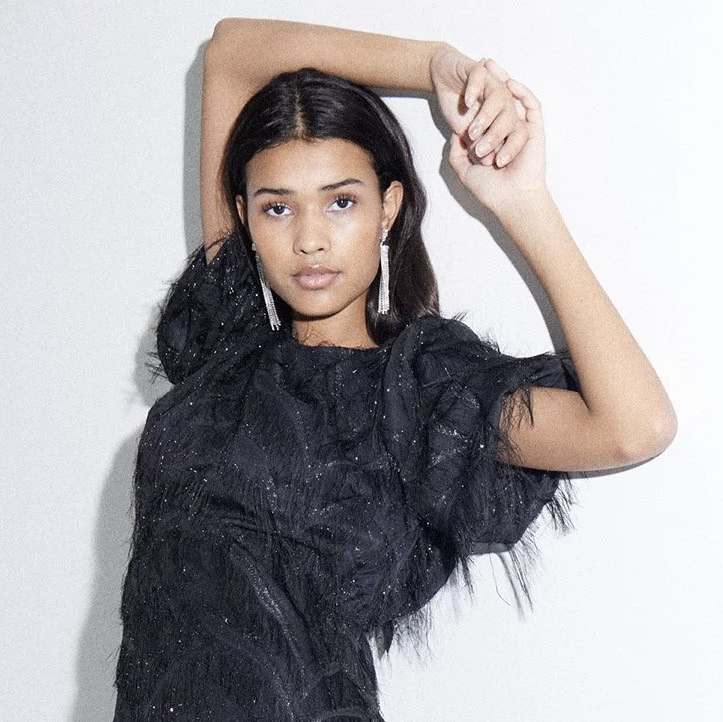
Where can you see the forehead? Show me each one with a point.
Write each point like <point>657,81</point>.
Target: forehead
<point>309,165</point>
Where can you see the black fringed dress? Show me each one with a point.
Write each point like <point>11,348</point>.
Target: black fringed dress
<point>293,501</point>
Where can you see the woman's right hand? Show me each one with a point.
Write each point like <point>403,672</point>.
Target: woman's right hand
<point>523,177</point>
<point>478,107</point>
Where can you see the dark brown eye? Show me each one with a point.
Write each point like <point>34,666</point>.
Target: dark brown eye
<point>276,209</point>
<point>344,202</point>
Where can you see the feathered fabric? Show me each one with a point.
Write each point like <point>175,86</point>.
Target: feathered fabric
<point>292,501</point>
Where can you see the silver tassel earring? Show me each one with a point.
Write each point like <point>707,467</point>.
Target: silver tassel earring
<point>268,296</point>
<point>383,302</point>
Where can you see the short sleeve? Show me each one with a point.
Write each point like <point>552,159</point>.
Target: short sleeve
<point>455,484</point>
<point>208,305</point>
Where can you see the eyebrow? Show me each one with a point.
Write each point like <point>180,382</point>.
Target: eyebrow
<point>329,187</point>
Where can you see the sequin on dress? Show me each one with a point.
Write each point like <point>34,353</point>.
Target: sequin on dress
<point>292,502</point>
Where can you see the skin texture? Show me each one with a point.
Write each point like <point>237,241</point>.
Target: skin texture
<point>622,414</point>
<point>312,207</point>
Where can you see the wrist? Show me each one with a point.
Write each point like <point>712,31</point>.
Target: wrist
<point>524,206</point>
<point>439,51</point>
<point>534,224</point>
<point>447,64</point>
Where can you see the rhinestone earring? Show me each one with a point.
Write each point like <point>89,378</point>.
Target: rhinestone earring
<point>383,302</point>
<point>266,291</point>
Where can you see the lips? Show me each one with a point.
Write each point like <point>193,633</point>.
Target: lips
<point>312,278</point>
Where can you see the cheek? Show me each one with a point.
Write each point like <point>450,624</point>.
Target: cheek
<point>365,263</point>
<point>270,252</point>
<point>268,235</point>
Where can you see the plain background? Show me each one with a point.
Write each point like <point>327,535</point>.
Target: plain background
<point>99,134</point>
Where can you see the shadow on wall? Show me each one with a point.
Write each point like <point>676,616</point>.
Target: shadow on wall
<point>192,153</point>
<point>97,652</point>
<point>489,221</point>
<point>100,640</point>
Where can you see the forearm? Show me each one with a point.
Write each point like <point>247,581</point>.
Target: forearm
<point>258,50</point>
<point>626,406</point>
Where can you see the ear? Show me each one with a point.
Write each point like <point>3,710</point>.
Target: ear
<point>391,203</point>
<point>241,208</point>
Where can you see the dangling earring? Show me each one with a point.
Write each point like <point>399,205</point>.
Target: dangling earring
<point>266,291</point>
<point>383,302</point>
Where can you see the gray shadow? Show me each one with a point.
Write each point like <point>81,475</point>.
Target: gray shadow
<point>97,651</point>
<point>192,153</point>
<point>489,221</point>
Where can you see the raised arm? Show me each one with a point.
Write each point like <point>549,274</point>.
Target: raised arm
<point>622,414</point>
<point>243,55</point>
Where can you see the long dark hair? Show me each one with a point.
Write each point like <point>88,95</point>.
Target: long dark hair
<point>309,104</point>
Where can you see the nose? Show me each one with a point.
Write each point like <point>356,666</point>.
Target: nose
<point>312,235</point>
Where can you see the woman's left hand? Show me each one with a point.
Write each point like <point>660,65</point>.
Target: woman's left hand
<point>514,173</point>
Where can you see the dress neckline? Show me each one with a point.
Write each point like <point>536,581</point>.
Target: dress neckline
<point>325,349</point>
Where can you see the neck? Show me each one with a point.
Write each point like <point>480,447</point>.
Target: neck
<point>344,330</point>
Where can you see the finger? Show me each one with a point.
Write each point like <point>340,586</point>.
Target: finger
<point>475,83</point>
<point>474,159</point>
<point>496,70</point>
<point>458,158</point>
<point>502,75</point>
<point>488,160</point>
<point>512,146</point>
<point>533,109</point>
<point>485,96</point>
<point>504,124</point>
<point>493,105</point>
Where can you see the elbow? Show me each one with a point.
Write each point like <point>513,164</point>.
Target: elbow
<point>222,40</point>
<point>218,53</point>
<point>218,40</point>
<point>648,438</point>
<point>222,30</point>
<point>661,434</point>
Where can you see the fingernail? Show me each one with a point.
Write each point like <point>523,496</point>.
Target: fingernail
<point>501,160</point>
<point>482,148</point>
<point>474,130</point>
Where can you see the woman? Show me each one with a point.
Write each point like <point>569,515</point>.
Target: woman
<point>332,449</point>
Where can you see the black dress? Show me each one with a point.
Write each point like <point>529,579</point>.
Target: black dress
<point>294,501</point>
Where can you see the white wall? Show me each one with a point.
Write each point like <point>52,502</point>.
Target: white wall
<point>99,111</point>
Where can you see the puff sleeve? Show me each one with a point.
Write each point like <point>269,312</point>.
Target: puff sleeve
<point>206,306</point>
<point>450,430</point>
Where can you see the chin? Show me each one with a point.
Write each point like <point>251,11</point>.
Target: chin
<point>316,312</point>
<point>323,308</point>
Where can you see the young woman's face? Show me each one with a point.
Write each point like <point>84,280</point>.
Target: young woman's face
<point>315,214</point>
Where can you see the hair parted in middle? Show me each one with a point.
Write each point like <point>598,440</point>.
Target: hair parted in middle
<point>311,105</point>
